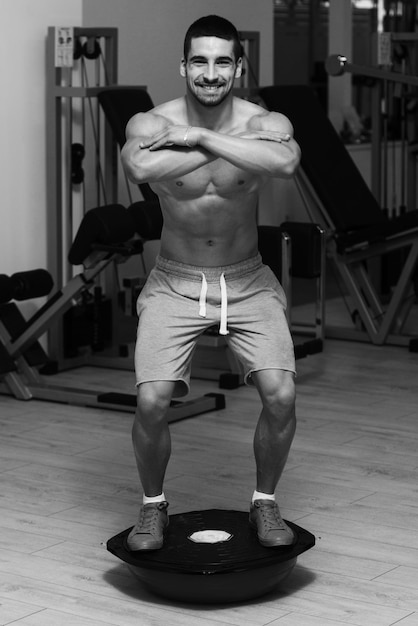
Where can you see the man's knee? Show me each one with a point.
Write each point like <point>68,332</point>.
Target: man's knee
<point>278,393</point>
<point>282,402</point>
<point>153,400</point>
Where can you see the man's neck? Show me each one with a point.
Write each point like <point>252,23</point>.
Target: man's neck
<point>215,118</point>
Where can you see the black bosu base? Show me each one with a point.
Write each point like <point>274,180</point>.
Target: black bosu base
<point>229,571</point>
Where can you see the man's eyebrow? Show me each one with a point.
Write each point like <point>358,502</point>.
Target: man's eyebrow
<point>198,57</point>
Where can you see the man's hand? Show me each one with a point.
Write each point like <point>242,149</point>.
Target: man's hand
<point>176,135</point>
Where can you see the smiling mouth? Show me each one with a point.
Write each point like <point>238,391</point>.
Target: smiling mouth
<point>209,87</point>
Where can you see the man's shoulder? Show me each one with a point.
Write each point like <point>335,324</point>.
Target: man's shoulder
<point>155,119</point>
<point>262,119</point>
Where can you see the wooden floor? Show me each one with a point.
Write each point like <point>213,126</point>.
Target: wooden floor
<point>68,483</point>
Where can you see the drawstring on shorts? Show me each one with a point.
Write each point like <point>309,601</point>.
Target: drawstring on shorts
<point>224,307</point>
<point>202,297</point>
<point>224,302</point>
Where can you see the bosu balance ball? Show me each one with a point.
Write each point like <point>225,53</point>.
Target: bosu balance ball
<point>212,556</point>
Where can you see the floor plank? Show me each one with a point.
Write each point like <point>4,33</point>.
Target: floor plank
<point>68,483</point>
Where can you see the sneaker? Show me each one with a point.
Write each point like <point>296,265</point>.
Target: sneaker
<point>148,532</point>
<point>272,531</point>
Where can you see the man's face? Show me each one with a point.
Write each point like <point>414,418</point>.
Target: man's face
<point>210,69</point>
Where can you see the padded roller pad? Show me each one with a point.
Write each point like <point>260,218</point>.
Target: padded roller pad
<point>31,284</point>
<point>106,225</point>
<point>25,285</point>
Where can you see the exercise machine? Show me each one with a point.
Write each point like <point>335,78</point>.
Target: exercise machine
<point>106,235</point>
<point>357,229</point>
<point>83,169</point>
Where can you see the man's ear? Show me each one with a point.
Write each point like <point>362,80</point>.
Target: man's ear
<point>238,69</point>
<point>183,67</point>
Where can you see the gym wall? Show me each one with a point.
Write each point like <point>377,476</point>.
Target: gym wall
<point>23,127</point>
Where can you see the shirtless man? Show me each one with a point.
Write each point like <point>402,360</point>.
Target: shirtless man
<point>206,155</point>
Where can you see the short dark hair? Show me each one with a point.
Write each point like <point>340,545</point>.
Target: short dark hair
<point>213,26</point>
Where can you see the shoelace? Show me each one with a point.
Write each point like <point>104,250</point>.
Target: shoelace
<point>271,517</point>
<point>148,519</point>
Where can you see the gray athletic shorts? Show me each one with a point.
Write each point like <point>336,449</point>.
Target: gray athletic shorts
<point>179,302</point>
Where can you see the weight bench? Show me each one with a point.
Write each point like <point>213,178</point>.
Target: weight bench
<point>106,235</point>
<point>357,230</point>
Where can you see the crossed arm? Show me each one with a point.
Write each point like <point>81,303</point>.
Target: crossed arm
<point>156,150</point>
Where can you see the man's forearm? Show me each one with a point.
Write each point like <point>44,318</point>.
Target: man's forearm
<point>256,152</point>
<point>145,165</point>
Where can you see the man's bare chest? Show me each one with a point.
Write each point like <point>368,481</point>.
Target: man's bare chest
<point>218,178</point>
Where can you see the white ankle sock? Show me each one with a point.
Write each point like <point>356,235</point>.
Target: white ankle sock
<point>147,500</point>
<point>259,495</point>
